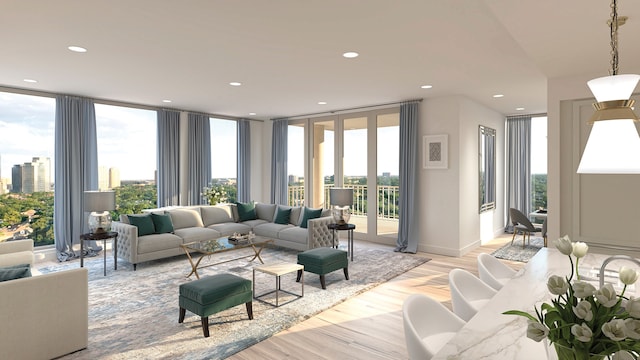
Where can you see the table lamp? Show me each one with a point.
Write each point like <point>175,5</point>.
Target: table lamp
<point>99,203</point>
<point>341,199</point>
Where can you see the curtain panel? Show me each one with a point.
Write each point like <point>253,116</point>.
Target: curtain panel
<point>76,170</point>
<point>168,160</point>
<point>244,160</point>
<point>518,157</point>
<point>407,235</point>
<point>199,155</point>
<point>279,178</point>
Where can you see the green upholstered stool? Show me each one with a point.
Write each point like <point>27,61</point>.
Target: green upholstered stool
<point>322,261</point>
<point>213,294</point>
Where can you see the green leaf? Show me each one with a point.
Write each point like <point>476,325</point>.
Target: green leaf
<point>520,313</point>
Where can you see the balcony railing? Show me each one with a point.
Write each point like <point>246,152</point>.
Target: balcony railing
<point>387,199</point>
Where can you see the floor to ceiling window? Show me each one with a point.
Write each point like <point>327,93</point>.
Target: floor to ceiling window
<point>388,169</point>
<point>296,163</point>
<point>538,162</point>
<point>27,125</point>
<point>127,156</point>
<point>224,157</point>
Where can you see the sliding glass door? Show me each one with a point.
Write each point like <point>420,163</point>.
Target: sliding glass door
<point>357,150</point>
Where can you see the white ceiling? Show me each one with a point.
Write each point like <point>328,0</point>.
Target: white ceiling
<point>287,53</point>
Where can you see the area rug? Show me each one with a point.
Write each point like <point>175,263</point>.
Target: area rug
<point>515,252</point>
<point>134,314</point>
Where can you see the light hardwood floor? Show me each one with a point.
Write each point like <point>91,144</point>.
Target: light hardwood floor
<point>369,326</point>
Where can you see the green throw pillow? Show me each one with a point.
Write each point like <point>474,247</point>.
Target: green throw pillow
<point>282,216</point>
<point>162,223</point>
<point>15,272</point>
<point>246,211</point>
<point>308,215</point>
<point>143,223</point>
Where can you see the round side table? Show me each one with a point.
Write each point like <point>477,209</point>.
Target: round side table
<point>104,236</point>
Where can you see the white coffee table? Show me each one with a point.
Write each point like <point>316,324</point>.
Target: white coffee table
<point>278,270</point>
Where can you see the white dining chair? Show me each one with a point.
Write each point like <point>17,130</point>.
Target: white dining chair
<point>494,272</point>
<point>468,293</point>
<point>428,326</point>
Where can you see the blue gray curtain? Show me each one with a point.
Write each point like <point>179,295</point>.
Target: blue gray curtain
<point>518,158</point>
<point>407,234</point>
<point>199,155</point>
<point>244,160</point>
<point>279,178</point>
<point>168,160</point>
<point>76,170</point>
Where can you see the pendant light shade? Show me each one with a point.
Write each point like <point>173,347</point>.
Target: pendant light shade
<point>613,147</point>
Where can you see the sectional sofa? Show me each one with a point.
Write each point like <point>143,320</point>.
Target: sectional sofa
<point>179,225</point>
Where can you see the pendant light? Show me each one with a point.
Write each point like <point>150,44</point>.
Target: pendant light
<point>613,147</point>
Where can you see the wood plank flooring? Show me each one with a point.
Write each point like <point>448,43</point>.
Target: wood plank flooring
<point>369,326</point>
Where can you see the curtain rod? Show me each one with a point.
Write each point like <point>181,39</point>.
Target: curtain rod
<point>531,115</point>
<point>117,103</point>
<point>343,110</point>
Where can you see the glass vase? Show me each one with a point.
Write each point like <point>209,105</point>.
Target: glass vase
<point>560,352</point>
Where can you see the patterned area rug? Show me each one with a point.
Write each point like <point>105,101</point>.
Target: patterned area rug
<point>515,252</point>
<point>134,315</point>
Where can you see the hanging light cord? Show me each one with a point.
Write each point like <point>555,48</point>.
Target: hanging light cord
<point>613,26</point>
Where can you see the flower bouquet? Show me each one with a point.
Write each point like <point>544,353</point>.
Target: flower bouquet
<point>214,194</point>
<point>583,322</point>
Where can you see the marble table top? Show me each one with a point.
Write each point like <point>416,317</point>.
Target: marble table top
<point>492,335</point>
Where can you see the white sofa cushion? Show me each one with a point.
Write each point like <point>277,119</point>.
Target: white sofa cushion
<point>197,234</point>
<point>158,242</point>
<point>266,211</point>
<point>270,230</point>
<point>296,215</point>
<point>16,258</point>
<point>216,214</point>
<point>185,218</point>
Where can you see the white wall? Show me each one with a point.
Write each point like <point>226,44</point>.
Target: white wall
<point>448,217</point>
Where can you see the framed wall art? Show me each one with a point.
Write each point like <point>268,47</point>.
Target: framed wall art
<point>435,151</point>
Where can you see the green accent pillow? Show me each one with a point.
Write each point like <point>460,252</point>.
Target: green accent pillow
<point>162,223</point>
<point>143,223</point>
<point>282,216</point>
<point>246,211</point>
<point>15,272</point>
<point>308,215</point>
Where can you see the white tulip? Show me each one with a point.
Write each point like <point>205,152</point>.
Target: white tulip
<point>536,331</point>
<point>615,330</point>
<point>627,275</point>
<point>633,328</point>
<point>579,249</point>
<point>623,355</point>
<point>633,307</point>
<point>583,310</point>
<point>583,289</point>
<point>607,296</point>
<point>557,285</point>
<point>582,332</point>
<point>564,245</point>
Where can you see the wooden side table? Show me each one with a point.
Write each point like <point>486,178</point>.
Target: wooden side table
<point>349,228</point>
<point>104,237</point>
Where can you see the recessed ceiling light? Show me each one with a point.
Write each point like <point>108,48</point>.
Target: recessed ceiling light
<point>519,109</point>
<point>166,101</point>
<point>77,49</point>
<point>322,103</point>
<point>350,54</point>
<point>426,86</point>
<point>252,113</point>
<point>498,96</point>
<point>235,83</point>
<point>30,80</point>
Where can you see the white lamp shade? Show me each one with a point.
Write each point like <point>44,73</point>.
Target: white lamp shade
<point>613,147</point>
<point>341,196</point>
<point>99,201</point>
<point>614,87</point>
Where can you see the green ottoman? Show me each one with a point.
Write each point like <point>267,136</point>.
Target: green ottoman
<point>322,261</point>
<point>213,294</point>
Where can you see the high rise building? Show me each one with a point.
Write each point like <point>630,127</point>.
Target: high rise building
<point>114,178</point>
<point>32,177</point>
<point>103,178</point>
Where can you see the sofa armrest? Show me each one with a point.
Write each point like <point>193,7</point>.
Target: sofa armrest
<point>7,247</point>
<point>319,233</point>
<point>127,241</point>
<point>44,316</point>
